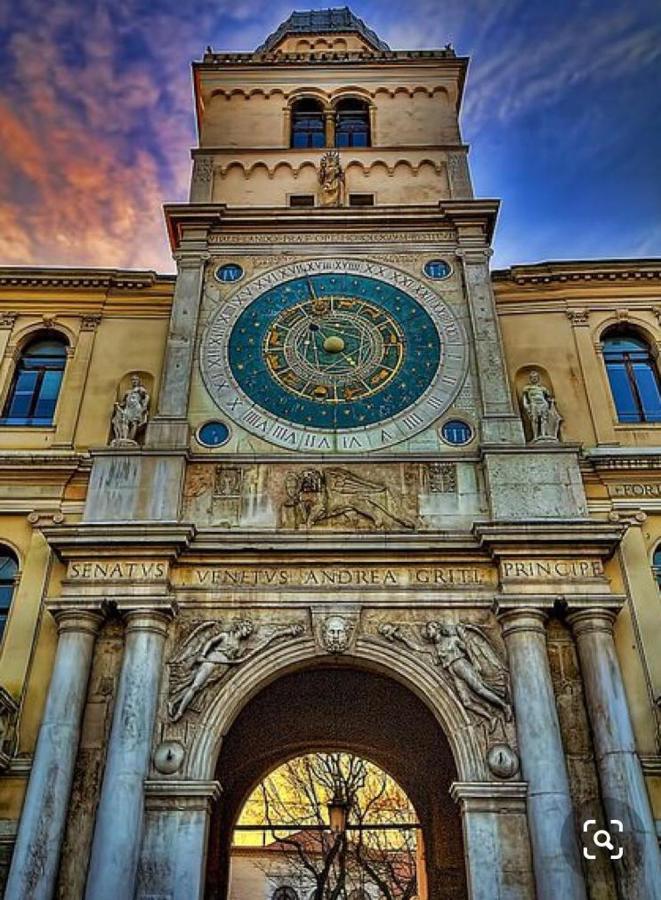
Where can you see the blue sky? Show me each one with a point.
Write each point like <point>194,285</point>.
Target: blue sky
<point>562,110</point>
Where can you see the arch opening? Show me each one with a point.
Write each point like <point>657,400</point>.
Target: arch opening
<point>332,709</point>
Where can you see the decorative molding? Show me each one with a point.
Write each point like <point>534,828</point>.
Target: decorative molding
<point>90,322</point>
<point>7,320</point>
<point>22,277</point>
<point>642,270</point>
<point>8,716</point>
<point>578,317</point>
<point>334,237</point>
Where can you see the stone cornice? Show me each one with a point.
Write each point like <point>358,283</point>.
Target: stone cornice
<point>214,60</point>
<point>616,459</point>
<point>197,220</point>
<point>107,538</point>
<point>81,279</point>
<point>580,270</point>
<point>550,537</point>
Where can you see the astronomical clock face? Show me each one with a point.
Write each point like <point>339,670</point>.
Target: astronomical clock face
<point>334,355</point>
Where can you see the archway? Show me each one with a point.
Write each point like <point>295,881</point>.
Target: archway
<point>343,708</point>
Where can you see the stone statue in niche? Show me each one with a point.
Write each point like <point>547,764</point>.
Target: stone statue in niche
<point>314,497</point>
<point>208,652</point>
<point>331,179</point>
<point>130,415</point>
<point>336,634</point>
<point>541,411</point>
<point>470,663</point>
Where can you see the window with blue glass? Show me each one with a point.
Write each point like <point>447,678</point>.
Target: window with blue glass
<point>8,572</point>
<point>36,384</point>
<point>633,377</point>
<point>307,124</point>
<point>656,565</point>
<point>352,123</point>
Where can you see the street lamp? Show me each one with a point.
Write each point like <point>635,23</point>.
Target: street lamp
<point>338,811</point>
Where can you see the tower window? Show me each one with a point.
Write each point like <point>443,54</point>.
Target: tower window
<point>8,572</point>
<point>633,377</point>
<point>352,123</point>
<point>36,385</point>
<point>307,124</point>
<point>361,199</point>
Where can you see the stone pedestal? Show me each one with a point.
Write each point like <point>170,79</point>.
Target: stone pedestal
<point>174,849</point>
<point>622,783</point>
<point>496,840</point>
<point>119,818</point>
<point>36,857</point>
<point>556,862</point>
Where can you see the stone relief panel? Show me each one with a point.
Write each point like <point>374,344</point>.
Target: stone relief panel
<point>208,650</point>
<point>469,659</point>
<point>395,497</point>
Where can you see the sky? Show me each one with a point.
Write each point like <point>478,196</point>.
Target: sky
<point>562,110</point>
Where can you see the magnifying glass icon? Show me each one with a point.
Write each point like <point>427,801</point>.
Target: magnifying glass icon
<point>604,841</point>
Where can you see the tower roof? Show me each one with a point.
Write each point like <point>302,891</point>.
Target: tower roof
<point>322,21</point>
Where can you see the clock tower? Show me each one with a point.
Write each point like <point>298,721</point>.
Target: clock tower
<point>322,526</point>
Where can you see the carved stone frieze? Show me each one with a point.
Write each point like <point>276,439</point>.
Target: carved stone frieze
<point>316,496</point>
<point>272,496</point>
<point>335,237</point>
<point>469,662</point>
<point>210,650</point>
<point>442,478</point>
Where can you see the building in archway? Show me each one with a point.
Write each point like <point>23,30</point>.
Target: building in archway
<point>334,486</point>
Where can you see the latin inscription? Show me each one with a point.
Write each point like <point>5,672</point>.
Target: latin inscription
<point>114,570</point>
<point>576,569</point>
<point>637,489</point>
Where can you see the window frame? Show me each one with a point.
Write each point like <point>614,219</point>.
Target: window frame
<point>364,109</point>
<point>321,113</point>
<point>47,363</point>
<point>8,553</point>
<point>622,359</point>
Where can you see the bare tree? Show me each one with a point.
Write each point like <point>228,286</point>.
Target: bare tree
<point>377,846</point>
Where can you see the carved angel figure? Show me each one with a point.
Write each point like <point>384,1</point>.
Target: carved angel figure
<point>130,414</point>
<point>469,660</point>
<point>203,659</point>
<point>540,409</point>
<point>331,179</point>
<point>317,496</point>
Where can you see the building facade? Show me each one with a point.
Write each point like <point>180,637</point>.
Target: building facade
<point>334,486</point>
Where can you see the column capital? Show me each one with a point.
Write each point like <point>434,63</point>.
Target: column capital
<point>146,619</point>
<point>81,621</point>
<point>474,256</point>
<point>529,619</point>
<point>191,259</point>
<point>592,619</point>
<point>490,796</point>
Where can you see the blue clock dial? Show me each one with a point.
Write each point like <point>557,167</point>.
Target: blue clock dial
<point>333,355</point>
<point>334,351</point>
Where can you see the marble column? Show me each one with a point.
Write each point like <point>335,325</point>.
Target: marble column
<point>622,782</point>
<point>119,817</point>
<point>556,862</point>
<point>496,840</point>
<point>36,856</point>
<point>174,848</point>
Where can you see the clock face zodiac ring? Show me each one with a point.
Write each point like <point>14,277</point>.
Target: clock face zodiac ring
<point>334,355</point>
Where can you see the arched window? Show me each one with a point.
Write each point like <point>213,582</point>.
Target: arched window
<point>352,123</point>
<point>36,383</point>
<point>8,570</point>
<point>285,893</point>
<point>307,124</point>
<point>633,377</point>
<point>656,565</point>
